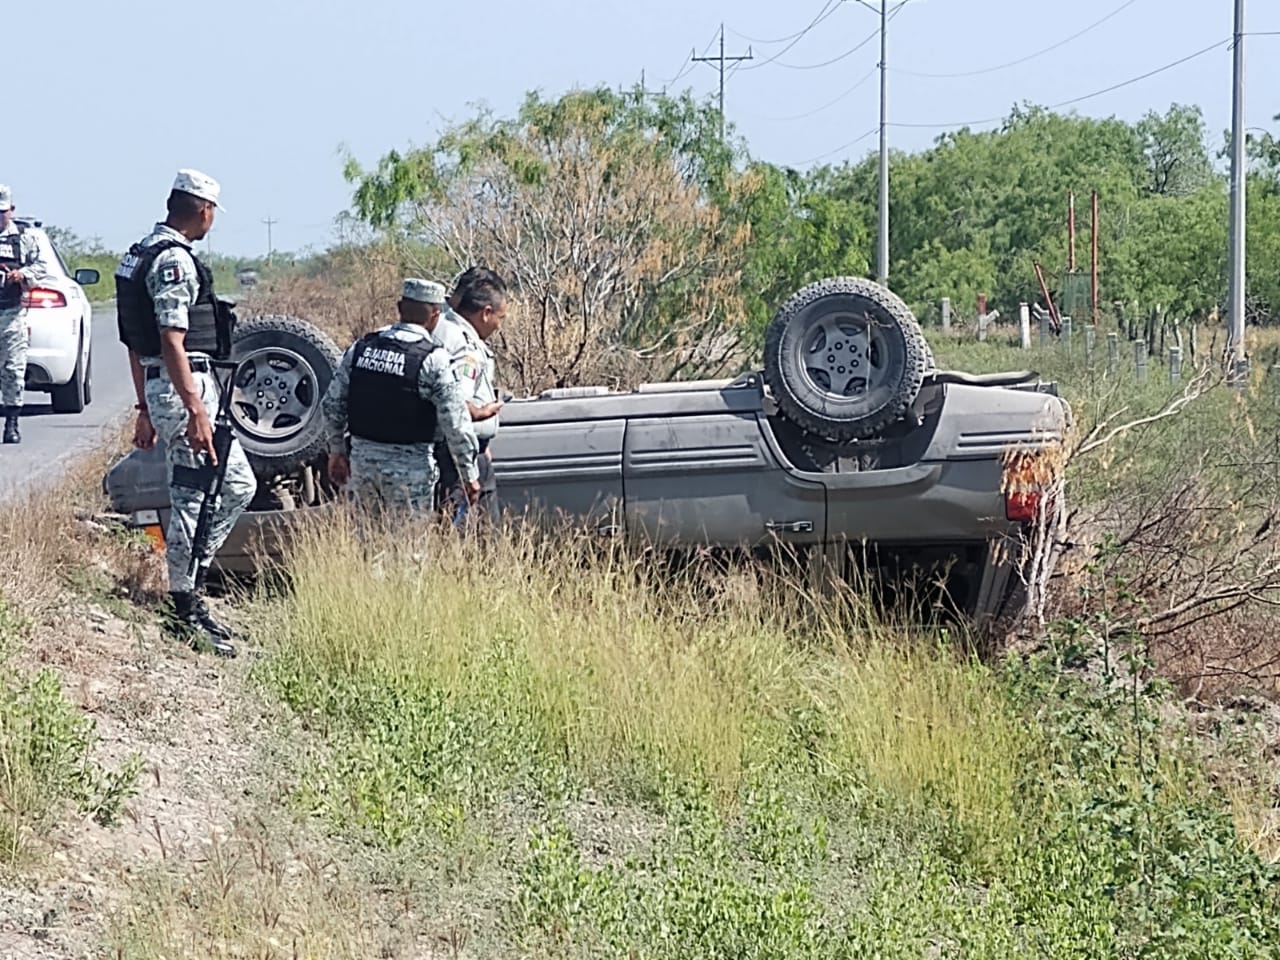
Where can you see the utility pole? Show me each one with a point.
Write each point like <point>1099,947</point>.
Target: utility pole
<point>1093,258</point>
<point>1071,231</point>
<point>270,247</point>
<point>883,259</point>
<point>721,59</point>
<point>1237,363</point>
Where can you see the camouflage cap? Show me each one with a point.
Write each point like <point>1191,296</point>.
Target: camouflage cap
<point>198,185</point>
<point>6,197</point>
<point>424,291</point>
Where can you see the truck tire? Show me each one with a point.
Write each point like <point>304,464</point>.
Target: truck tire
<point>844,358</point>
<point>285,366</point>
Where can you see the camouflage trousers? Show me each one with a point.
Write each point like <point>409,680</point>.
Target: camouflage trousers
<point>239,485</point>
<point>13,356</point>
<point>391,478</point>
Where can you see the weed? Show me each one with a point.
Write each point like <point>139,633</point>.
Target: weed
<point>45,742</point>
<point>835,789</point>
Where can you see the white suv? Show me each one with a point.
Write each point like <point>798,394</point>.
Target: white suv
<point>60,322</point>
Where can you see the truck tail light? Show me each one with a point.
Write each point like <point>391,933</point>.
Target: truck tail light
<point>1022,507</point>
<point>1026,486</point>
<point>148,521</point>
<point>43,297</point>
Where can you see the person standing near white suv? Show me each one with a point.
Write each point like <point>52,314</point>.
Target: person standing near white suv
<point>21,268</point>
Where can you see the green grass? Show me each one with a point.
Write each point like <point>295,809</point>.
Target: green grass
<point>584,757</point>
<point>45,763</point>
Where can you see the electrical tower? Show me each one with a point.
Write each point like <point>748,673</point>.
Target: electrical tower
<point>721,59</point>
<point>270,247</point>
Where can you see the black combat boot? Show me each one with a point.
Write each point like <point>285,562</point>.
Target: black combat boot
<point>184,622</point>
<point>202,612</point>
<point>11,434</point>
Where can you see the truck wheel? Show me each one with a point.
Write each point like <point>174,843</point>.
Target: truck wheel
<point>844,358</point>
<point>285,365</point>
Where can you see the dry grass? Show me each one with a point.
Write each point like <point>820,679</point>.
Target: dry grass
<point>344,304</point>
<point>255,894</point>
<point>632,675</point>
<point>48,539</point>
<point>47,547</point>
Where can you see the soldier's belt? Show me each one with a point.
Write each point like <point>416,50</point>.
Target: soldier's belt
<point>198,365</point>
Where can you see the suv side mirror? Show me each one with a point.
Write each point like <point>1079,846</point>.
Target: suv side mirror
<point>87,277</point>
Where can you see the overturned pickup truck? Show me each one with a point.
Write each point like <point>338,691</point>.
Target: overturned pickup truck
<point>848,447</point>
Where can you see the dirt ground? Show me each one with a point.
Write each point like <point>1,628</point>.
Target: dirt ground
<point>199,730</point>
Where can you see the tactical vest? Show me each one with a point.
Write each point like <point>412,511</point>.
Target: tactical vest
<point>383,403</point>
<point>11,259</point>
<point>209,323</point>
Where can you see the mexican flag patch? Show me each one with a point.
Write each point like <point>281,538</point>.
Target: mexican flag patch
<point>170,274</point>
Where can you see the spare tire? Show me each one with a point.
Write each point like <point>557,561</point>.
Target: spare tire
<point>844,358</point>
<point>284,368</point>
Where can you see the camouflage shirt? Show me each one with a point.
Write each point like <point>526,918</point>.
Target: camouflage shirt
<point>474,363</point>
<point>34,269</point>
<point>437,384</point>
<point>172,280</point>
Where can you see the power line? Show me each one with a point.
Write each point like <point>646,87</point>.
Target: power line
<point>1031,56</point>
<point>1052,106</point>
<point>847,53</point>
<point>845,146</point>
<point>825,12</point>
<point>687,65</point>
<point>1075,100</point>
<point>822,15</point>
<point>684,68</point>
<point>801,116</point>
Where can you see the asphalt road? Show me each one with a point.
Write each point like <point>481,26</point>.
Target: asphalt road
<point>52,441</point>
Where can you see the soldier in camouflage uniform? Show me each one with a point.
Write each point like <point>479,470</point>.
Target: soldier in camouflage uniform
<point>172,325</point>
<point>391,389</point>
<point>22,267</point>
<point>477,309</point>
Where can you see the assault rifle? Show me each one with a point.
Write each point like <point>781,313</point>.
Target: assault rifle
<point>208,478</point>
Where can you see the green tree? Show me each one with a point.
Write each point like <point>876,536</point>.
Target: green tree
<point>605,211</point>
<point>1177,154</point>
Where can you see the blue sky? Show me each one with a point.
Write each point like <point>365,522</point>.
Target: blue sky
<point>262,94</point>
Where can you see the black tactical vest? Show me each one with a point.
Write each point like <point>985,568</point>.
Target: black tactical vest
<point>11,259</point>
<point>209,323</point>
<point>383,403</point>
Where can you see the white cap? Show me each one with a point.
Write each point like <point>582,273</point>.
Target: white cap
<point>198,185</point>
<point>6,198</point>
<point>424,291</point>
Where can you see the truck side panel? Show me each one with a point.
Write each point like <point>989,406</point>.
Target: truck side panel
<point>713,479</point>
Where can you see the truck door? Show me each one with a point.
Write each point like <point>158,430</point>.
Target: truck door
<point>569,469</point>
<point>712,479</point>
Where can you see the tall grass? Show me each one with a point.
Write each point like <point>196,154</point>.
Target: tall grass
<point>770,778</point>
<point>48,539</point>
<point>596,662</point>
<point>46,742</point>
